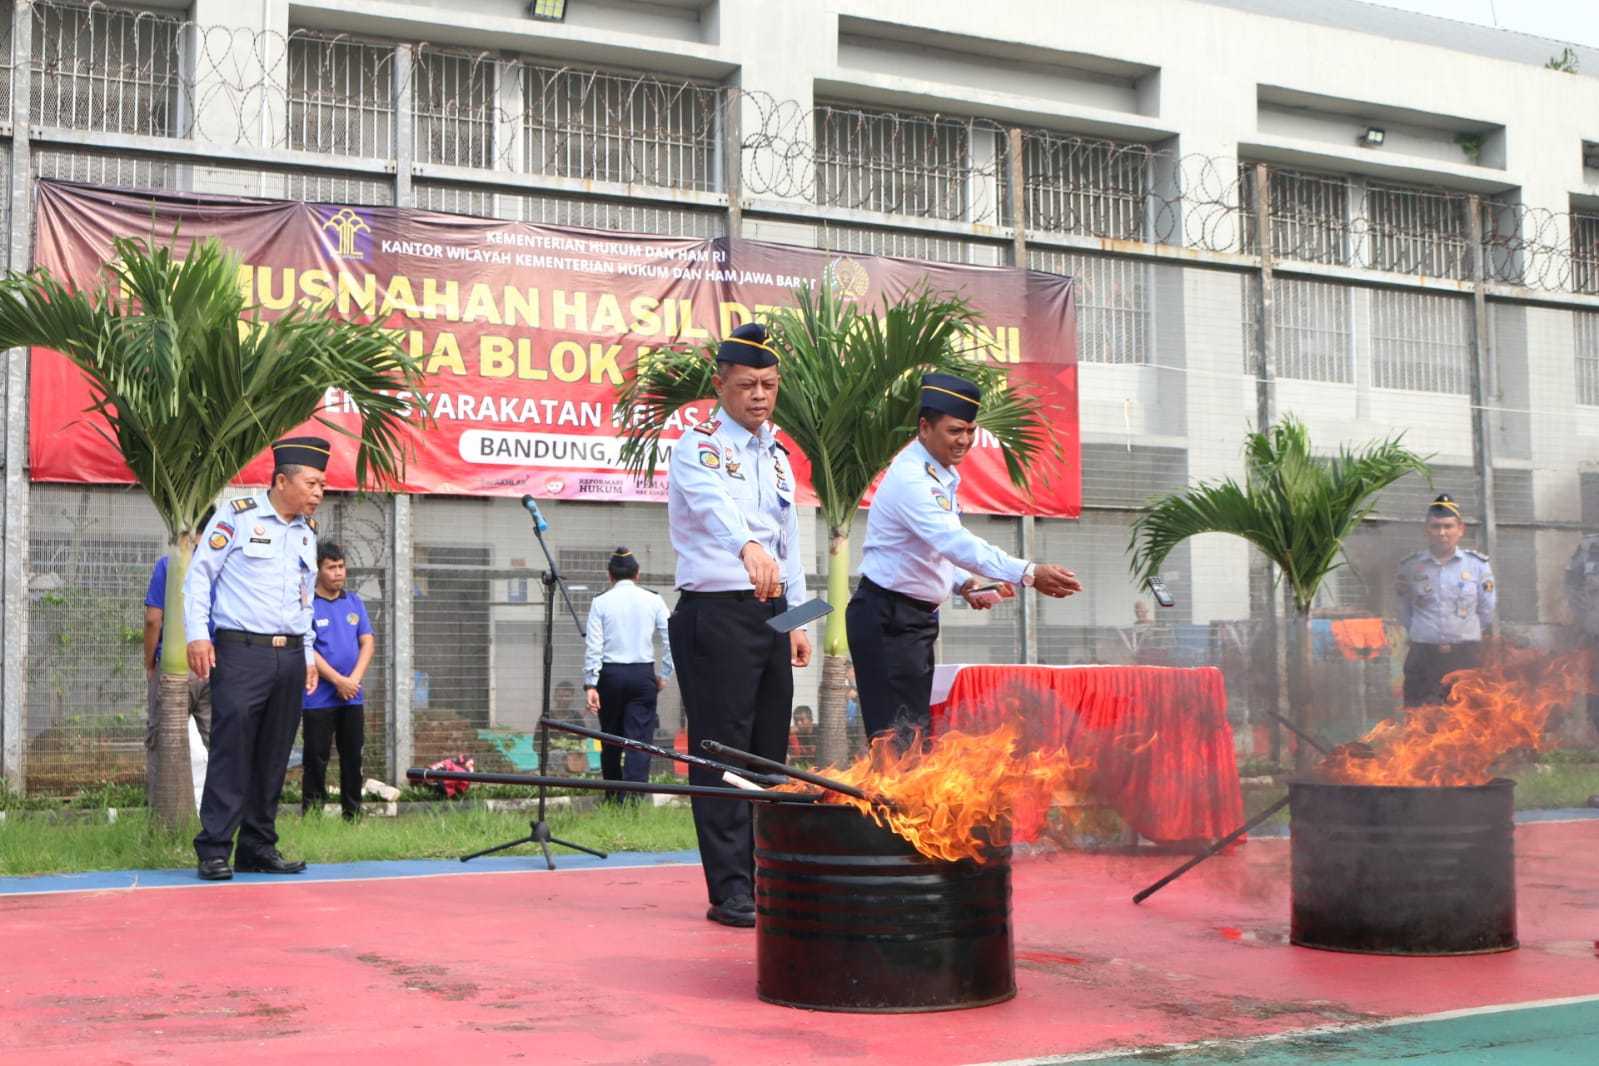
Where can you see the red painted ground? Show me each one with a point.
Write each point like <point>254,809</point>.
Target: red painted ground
<point>614,966</point>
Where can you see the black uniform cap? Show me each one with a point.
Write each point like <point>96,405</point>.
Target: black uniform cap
<point>747,346</point>
<point>951,395</point>
<point>302,451</point>
<point>1444,507</point>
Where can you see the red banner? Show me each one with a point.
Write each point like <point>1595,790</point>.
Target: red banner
<point>526,332</point>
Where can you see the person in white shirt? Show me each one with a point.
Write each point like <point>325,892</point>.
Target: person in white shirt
<point>916,554</point>
<point>619,668</point>
<point>731,514</point>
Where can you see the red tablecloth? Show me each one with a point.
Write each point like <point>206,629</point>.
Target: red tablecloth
<point>1158,736</point>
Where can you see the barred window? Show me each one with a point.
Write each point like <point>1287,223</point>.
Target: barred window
<point>1421,342</point>
<point>895,162</point>
<point>107,69</point>
<point>1312,330</point>
<point>1585,253</point>
<point>903,244</point>
<point>1093,188</point>
<point>1417,231</point>
<point>1115,323</point>
<point>629,128</point>
<point>453,98</point>
<point>1309,214</point>
<point>1585,326</point>
<point>340,95</point>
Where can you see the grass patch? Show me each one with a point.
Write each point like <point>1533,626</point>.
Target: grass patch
<point>39,846</point>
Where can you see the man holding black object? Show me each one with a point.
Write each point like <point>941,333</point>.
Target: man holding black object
<point>1446,604</point>
<point>251,581</point>
<point>730,509</point>
<point>916,554</point>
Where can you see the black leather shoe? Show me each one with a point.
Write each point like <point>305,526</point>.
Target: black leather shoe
<point>215,870</point>
<point>270,863</point>
<point>737,911</point>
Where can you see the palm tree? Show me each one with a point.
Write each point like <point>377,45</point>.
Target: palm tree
<point>1296,507</point>
<point>849,399</point>
<point>192,386</point>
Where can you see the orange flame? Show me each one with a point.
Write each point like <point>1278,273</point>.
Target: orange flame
<point>964,791</point>
<point>1493,710</point>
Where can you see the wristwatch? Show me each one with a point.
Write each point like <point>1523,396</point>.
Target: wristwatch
<point>1027,575</point>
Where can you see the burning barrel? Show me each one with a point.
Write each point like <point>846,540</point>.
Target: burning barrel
<point>850,917</point>
<point>1390,870</point>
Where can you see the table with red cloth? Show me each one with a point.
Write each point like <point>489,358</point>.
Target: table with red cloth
<point>1158,736</point>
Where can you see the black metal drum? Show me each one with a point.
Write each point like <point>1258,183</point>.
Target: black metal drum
<point>849,917</point>
<point>1403,871</point>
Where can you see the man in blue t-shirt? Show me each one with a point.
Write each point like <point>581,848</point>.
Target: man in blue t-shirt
<point>155,612</point>
<point>344,647</point>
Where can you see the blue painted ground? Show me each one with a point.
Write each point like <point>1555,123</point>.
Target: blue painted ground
<point>102,880</point>
<point>1565,1034</point>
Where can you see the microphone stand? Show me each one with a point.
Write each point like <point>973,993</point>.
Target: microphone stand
<point>538,829</point>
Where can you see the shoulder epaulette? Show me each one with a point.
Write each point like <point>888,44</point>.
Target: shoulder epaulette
<point>780,446</point>
<point>311,522</point>
<point>243,504</point>
<point>1414,555</point>
<point>709,428</point>
<point>1475,554</point>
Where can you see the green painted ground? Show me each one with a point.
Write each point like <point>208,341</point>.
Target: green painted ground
<point>1564,1035</point>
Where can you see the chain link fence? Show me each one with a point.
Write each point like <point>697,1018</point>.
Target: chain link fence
<point>1371,329</point>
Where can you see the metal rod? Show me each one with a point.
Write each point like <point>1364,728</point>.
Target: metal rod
<point>788,771</point>
<point>665,753</point>
<point>1213,849</point>
<point>423,776</point>
<point>1300,733</point>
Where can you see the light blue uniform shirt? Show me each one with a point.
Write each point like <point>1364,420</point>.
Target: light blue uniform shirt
<point>623,623</point>
<point>1449,602</point>
<point>915,544</point>
<point>252,571</point>
<point>728,487</point>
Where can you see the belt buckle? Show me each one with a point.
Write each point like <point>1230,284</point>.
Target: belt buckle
<point>1446,648</point>
<point>280,642</point>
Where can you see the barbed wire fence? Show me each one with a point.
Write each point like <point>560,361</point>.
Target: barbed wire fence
<point>1370,325</point>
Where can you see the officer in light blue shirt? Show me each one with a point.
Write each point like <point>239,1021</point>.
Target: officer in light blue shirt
<point>730,510</point>
<point>916,554</point>
<point>251,583</point>
<point>1446,604</point>
<point>619,667</point>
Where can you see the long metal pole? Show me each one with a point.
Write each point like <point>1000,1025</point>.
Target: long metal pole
<point>788,771</point>
<point>421,775</point>
<point>1482,378</point>
<point>1212,850</point>
<point>664,753</point>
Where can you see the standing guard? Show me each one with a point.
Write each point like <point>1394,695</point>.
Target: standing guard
<point>1446,604</point>
<point>251,582</point>
<point>619,668</point>
<point>730,509</point>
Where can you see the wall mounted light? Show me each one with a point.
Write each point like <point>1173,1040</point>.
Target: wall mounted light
<point>547,10</point>
<point>1373,137</point>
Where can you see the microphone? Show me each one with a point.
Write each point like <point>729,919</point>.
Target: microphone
<point>532,506</point>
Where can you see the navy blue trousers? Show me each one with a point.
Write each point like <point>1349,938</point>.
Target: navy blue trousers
<point>627,708</point>
<point>256,696</point>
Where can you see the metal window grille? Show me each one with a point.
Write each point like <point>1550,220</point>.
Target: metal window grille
<point>1585,253</point>
<point>626,216</point>
<point>462,200</point>
<point>7,26</point>
<point>867,240</point>
<point>338,189</point>
<point>1092,188</point>
<point>628,128</point>
<point>1312,330</point>
<point>895,162</point>
<point>454,99</point>
<point>340,95</point>
<point>1585,326</point>
<point>104,168</point>
<point>1417,231</point>
<point>1309,214</point>
<point>1420,342</point>
<point>107,69</point>
<point>1115,320</point>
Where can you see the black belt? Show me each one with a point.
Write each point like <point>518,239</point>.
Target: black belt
<point>922,605</point>
<point>1445,649</point>
<point>729,594</point>
<point>263,640</point>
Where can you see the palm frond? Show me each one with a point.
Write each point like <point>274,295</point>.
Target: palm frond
<point>1296,507</point>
